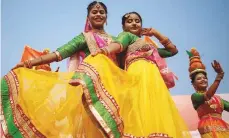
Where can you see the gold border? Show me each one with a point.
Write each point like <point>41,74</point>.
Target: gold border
<point>138,44</point>
<point>208,129</point>
<point>91,43</point>
<point>23,123</point>
<point>105,98</point>
<point>3,122</point>
<point>161,135</point>
<point>132,58</point>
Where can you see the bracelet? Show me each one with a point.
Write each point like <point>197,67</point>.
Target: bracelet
<point>105,51</point>
<point>219,76</point>
<point>58,56</point>
<point>28,64</point>
<point>168,45</point>
<point>41,60</point>
<point>165,41</point>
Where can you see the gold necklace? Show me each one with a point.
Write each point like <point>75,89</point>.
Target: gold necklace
<point>200,91</point>
<point>98,31</point>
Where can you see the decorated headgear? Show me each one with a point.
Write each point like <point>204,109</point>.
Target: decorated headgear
<point>195,64</point>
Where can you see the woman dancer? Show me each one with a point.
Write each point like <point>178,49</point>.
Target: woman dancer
<point>208,105</point>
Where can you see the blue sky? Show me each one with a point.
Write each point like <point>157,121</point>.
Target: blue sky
<point>203,24</point>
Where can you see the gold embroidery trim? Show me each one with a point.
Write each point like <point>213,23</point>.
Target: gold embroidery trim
<point>26,128</point>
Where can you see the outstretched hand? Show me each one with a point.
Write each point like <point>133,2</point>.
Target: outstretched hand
<point>21,64</point>
<point>217,67</point>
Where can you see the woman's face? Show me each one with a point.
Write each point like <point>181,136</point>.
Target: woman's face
<point>97,16</point>
<point>133,24</point>
<point>200,82</point>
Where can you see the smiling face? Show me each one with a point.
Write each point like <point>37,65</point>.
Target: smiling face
<point>97,16</point>
<point>133,24</point>
<point>200,82</point>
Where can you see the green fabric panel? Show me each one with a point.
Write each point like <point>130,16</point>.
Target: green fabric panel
<point>164,53</point>
<point>97,104</point>
<point>197,99</point>
<point>70,48</point>
<point>126,39</point>
<point>226,105</point>
<point>7,111</point>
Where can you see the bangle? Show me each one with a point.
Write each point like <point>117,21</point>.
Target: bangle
<point>41,60</point>
<point>219,76</point>
<point>168,45</point>
<point>105,51</point>
<point>165,41</point>
<point>58,56</point>
<point>28,64</point>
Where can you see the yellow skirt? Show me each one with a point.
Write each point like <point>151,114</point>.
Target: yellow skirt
<point>43,104</point>
<point>150,106</point>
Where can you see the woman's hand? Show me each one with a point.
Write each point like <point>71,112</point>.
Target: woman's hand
<point>26,64</point>
<point>217,67</point>
<point>21,64</point>
<point>148,31</point>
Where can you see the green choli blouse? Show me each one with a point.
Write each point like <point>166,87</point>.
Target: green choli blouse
<point>198,99</point>
<point>127,38</point>
<point>78,43</point>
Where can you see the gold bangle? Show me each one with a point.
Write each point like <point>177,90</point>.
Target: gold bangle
<point>41,60</point>
<point>28,64</point>
<point>105,51</point>
<point>219,76</point>
<point>58,56</point>
<point>165,41</point>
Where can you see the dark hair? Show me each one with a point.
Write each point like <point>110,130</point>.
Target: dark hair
<point>92,4</point>
<point>124,17</point>
<point>193,76</point>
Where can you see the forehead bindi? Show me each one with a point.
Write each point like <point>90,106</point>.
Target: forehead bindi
<point>200,76</point>
<point>133,16</point>
<point>98,7</point>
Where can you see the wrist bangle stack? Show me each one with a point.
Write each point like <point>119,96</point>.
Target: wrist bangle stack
<point>105,51</point>
<point>219,76</point>
<point>28,64</point>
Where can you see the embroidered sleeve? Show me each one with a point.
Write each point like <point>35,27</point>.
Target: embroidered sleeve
<point>76,44</point>
<point>197,99</point>
<point>125,39</point>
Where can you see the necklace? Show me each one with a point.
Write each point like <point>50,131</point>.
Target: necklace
<point>200,91</point>
<point>98,31</point>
